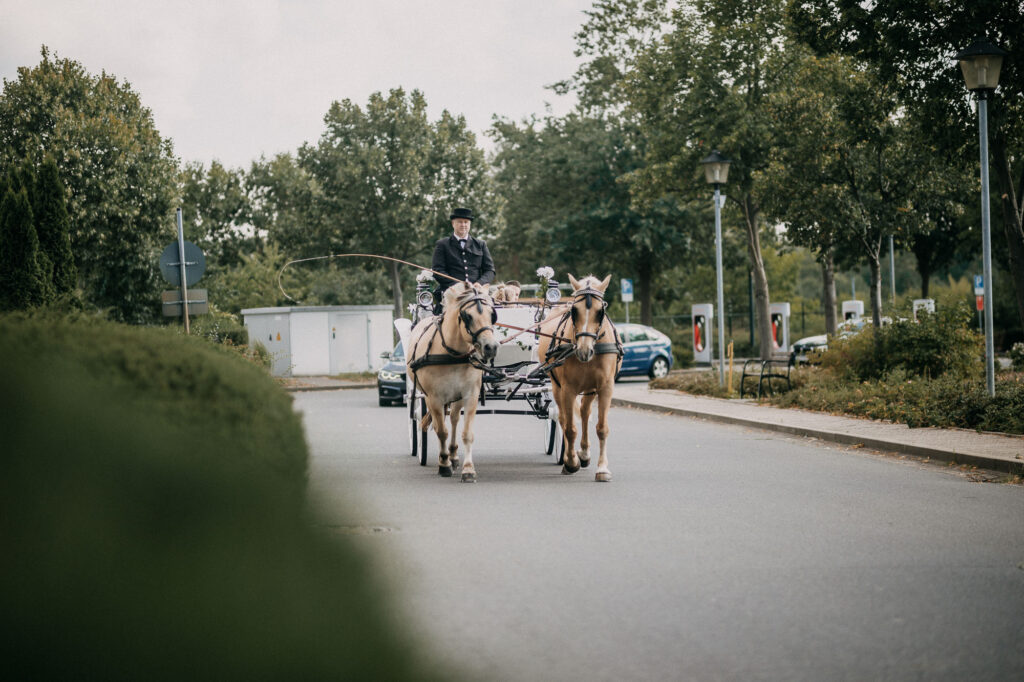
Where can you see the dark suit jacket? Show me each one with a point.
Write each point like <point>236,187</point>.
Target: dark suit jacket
<point>473,264</point>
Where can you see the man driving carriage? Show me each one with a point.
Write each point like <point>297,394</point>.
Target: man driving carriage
<point>463,257</point>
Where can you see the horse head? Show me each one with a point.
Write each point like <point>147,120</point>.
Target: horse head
<point>476,316</point>
<point>587,313</point>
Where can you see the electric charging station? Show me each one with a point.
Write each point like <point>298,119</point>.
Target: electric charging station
<point>703,314</point>
<point>779,315</point>
<point>853,310</point>
<point>926,304</point>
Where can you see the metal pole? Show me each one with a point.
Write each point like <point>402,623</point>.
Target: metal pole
<point>986,244</point>
<point>750,304</point>
<point>627,312</point>
<point>721,294</point>
<point>181,264</point>
<point>892,270</point>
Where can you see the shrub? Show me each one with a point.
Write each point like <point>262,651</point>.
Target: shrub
<point>938,343</point>
<point>154,522</point>
<point>1017,356</point>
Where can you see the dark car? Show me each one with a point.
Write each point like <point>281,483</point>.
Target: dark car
<point>391,378</point>
<point>646,351</point>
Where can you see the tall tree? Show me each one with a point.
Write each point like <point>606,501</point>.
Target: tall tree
<point>120,173</point>
<point>387,178</point>
<point>569,205</point>
<point>215,212</point>
<point>693,79</point>
<point>913,44</point>
<point>53,228</point>
<point>21,278</point>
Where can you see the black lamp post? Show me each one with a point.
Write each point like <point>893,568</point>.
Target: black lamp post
<point>716,171</point>
<point>980,64</point>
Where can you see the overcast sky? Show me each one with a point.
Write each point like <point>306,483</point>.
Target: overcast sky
<point>233,79</point>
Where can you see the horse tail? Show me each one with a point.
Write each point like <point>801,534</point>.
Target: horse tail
<point>425,422</point>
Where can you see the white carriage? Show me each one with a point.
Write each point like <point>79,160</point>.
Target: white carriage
<point>514,382</point>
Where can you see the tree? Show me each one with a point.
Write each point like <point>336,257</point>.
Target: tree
<point>215,212</point>
<point>912,44</point>
<point>386,179</point>
<point>697,80</point>
<point>119,172</point>
<point>53,228</point>
<point>21,278</point>
<point>568,204</point>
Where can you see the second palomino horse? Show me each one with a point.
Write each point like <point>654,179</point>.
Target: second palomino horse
<point>584,356</point>
<point>445,356</point>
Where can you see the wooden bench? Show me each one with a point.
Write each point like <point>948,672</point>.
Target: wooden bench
<point>771,375</point>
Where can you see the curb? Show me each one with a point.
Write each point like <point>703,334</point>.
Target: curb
<point>981,461</point>
<point>340,387</point>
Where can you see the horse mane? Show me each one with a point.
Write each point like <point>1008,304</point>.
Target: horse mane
<point>459,293</point>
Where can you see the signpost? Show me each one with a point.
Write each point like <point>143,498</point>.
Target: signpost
<point>979,297</point>
<point>182,264</point>
<point>626,291</point>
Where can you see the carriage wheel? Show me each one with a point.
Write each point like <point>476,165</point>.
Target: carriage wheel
<point>561,450</point>
<point>551,429</point>
<point>424,435</point>
<point>414,429</point>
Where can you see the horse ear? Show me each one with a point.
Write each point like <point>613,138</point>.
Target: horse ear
<point>604,284</point>
<point>575,284</point>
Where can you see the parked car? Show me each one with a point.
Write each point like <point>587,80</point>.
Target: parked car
<point>805,349</point>
<point>646,351</point>
<point>391,378</point>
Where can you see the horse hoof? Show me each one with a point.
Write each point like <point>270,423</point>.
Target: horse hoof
<point>603,477</point>
<point>455,461</point>
<point>468,477</point>
<point>445,471</point>
<point>566,469</point>
<point>584,462</point>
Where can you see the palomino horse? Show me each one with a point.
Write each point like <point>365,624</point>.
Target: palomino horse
<point>446,351</point>
<point>586,354</point>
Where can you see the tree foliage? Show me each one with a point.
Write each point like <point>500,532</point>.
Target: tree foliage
<point>119,172</point>
<point>385,177</point>
<point>22,284</point>
<point>53,228</point>
<point>568,205</point>
<point>913,45</point>
<point>215,212</point>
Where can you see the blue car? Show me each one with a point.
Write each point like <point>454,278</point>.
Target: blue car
<point>647,351</point>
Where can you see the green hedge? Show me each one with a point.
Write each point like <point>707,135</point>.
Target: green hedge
<point>153,521</point>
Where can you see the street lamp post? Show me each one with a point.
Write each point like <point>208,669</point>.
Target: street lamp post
<point>716,172</point>
<point>980,64</point>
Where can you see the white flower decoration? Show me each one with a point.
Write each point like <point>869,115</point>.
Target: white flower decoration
<point>424,276</point>
<point>545,273</point>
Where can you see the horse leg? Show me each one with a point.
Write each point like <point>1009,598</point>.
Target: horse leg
<point>468,470</point>
<point>440,428</point>
<point>566,415</point>
<point>585,404</point>
<point>604,401</point>
<point>453,443</point>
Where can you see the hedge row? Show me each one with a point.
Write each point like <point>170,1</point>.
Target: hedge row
<point>153,523</point>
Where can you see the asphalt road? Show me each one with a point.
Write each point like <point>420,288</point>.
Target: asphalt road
<point>717,553</point>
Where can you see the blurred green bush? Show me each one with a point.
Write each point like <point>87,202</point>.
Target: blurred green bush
<point>153,523</point>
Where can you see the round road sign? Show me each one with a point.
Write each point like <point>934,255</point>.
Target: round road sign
<point>170,264</point>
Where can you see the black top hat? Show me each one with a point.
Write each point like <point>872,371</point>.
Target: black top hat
<point>461,213</point>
